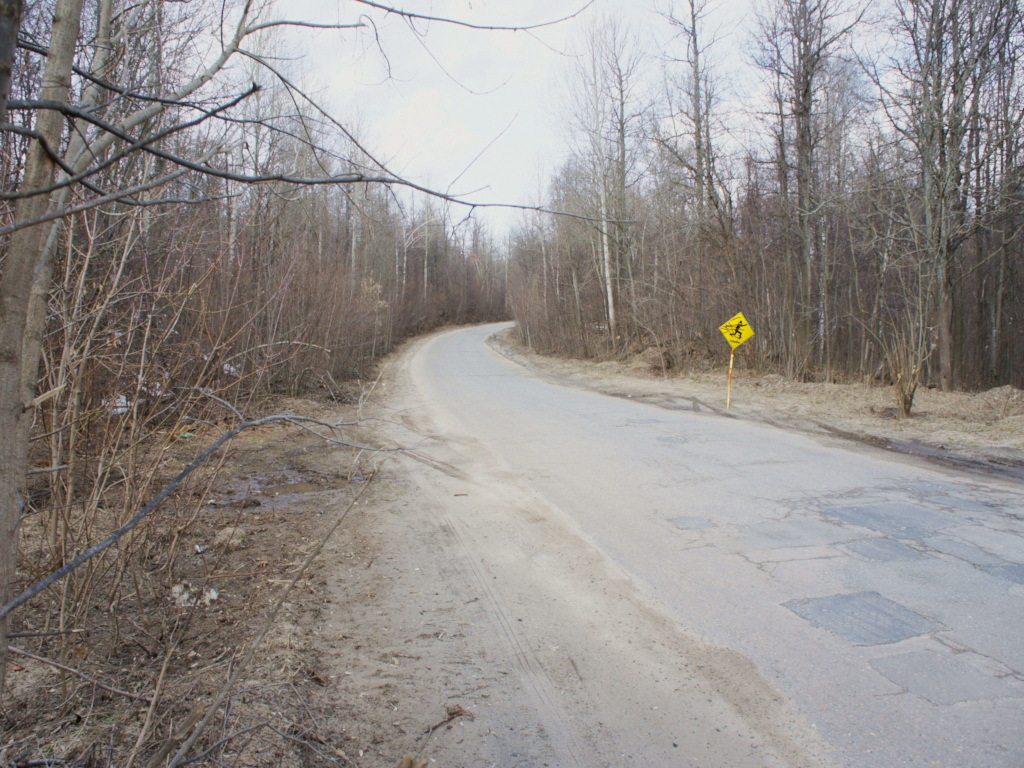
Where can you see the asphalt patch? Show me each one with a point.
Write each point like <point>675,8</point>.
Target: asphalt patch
<point>863,618</point>
<point>897,519</point>
<point>1014,573</point>
<point>884,550</point>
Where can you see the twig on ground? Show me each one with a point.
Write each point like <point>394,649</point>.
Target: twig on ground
<point>151,711</point>
<point>87,678</point>
<point>303,742</point>
<point>454,713</point>
<point>225,740</point>
<point>47,634</point>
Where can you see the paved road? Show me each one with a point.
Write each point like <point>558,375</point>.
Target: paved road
<point>884,596</point>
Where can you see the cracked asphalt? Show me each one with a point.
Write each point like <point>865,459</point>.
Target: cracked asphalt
<point>882,595</point>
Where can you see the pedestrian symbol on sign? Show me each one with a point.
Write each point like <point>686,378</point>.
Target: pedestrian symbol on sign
<point>737,330</point>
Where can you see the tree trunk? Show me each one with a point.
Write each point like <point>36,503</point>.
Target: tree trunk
<point>10,22</point>
<point>944,329</point>
<point>607,260</point>
<point>23,291</point>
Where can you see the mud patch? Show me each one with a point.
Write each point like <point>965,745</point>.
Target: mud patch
<point>305,486</point>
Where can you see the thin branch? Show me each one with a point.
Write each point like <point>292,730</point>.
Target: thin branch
<point>309,24</point>
<point>46,471</point>
<point>60,213</point>
<point>58,665</point>
<point>456,22</point>
<point>207,393</point>
<point>118,89</point>
<point>453,78</point>
<point>113,130</point>
<point>31,133</point>
<point>141,143</point>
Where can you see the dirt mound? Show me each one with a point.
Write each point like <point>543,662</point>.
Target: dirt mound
<point>650,361</point>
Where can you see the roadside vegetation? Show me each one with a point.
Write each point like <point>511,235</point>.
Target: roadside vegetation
<point>860,203</point>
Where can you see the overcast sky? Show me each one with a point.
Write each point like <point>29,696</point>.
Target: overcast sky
<point>474,112</point>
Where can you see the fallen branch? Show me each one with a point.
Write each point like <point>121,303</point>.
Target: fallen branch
<point>454,713</point>
<point>94,681</point>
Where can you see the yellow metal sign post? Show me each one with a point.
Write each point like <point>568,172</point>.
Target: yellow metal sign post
<point>736,330</point>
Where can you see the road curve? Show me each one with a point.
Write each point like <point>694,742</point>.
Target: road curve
<point>680,588</point>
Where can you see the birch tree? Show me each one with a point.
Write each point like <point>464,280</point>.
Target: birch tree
<point>606,116</point>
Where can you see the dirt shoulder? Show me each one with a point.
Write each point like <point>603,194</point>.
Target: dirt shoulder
<point>981,431</point>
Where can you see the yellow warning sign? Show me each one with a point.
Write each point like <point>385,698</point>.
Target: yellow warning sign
<point>737,330</point>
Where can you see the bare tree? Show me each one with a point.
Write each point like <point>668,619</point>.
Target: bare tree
<point>796,40</point>
<point>694,197</point>
<point>23,289</point>
<point>950,55</point>
<point>607,117</point>
<point>700,156</point>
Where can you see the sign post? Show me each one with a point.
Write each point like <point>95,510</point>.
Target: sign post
<point>728,386</point>
<point>736,330</point>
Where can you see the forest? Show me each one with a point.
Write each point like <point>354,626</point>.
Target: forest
<point>862,205</point>
<point>185,231</point>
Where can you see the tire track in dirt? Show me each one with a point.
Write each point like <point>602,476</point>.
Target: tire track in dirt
<point>530,667</point>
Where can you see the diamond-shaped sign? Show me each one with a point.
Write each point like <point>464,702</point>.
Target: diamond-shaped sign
<point>737,330</point>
